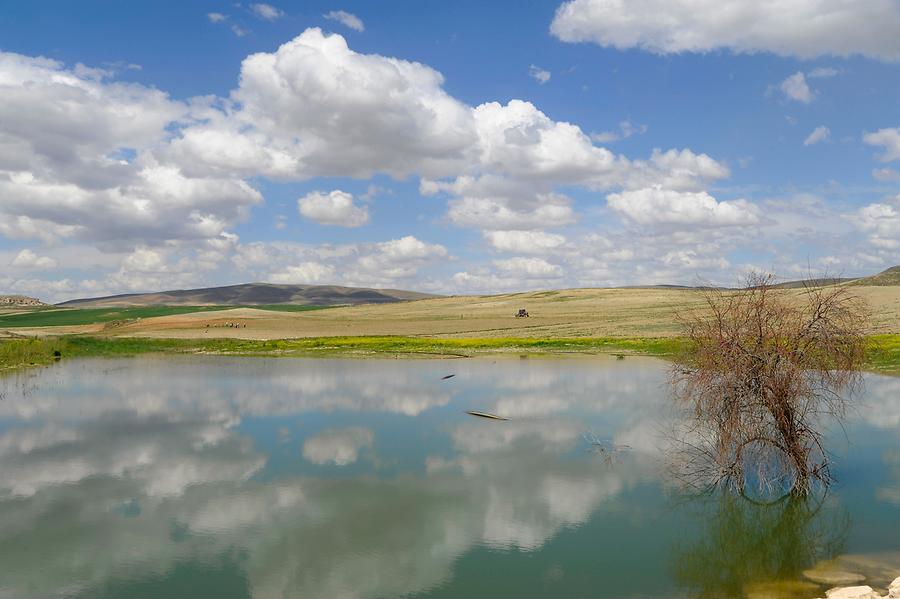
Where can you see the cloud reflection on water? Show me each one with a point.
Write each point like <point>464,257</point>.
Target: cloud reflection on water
<point>119,470</point>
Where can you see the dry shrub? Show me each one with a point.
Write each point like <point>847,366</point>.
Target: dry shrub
<point>765,365</point>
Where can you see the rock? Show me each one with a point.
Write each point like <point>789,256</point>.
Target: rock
<point>863,592</point>
<point>833,577</point>
<point>894,589</point>
<point>19,300</point>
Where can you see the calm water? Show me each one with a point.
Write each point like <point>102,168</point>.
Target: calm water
<point>191,477</point>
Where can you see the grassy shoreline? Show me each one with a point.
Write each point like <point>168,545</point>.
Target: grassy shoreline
<point>883,354</point>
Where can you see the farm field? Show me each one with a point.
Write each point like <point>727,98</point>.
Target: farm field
<point>53,317</point>
<point>573,313</point>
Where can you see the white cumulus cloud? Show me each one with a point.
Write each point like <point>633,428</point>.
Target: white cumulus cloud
<point>304,273</point>
<point>29,260</point>
<point>528,267</point>
<point>75,160</point>
<point>540,75</point>
<point>346,19</point>
<point>524,242</point>
<point>267,12</point>
<point>889,139</point>
<point>881,220</point>
<point>800,28</point>
<point>796,88</point>
<point>818,135</point>
<point>665,207</point>
<point>626,130</point>
<point>333,208</point>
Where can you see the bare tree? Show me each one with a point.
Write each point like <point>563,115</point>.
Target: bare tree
<point>763,367</point>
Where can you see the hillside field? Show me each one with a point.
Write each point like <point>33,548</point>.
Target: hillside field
<point>573,313</point>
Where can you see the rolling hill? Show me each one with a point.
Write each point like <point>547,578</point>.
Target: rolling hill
<point>253,294</point>
<point>889,277</point>
<point>258,294</point>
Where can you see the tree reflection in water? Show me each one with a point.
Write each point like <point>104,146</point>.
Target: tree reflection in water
<point>746,543</point>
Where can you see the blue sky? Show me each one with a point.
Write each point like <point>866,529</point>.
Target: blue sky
<point>450,147</point>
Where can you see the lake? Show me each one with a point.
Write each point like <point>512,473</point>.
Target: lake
<point>253,477</point>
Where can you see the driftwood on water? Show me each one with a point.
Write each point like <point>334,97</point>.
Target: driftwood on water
<point>485,415</point>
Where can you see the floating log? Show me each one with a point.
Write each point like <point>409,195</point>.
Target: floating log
<point>485,415</point>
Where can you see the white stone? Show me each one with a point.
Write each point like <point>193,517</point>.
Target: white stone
<point>894,589</point>
<point>863,592</point>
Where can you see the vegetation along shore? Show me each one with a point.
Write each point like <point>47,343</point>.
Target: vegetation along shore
<point>883,351</point>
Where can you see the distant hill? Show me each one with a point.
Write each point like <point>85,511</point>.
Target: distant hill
<point>815,282</point>
<point>7,301</point>
<point>251,294</point>
<point>885,278</point>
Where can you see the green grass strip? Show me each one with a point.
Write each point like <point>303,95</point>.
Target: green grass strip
<point>883,353</point>
<point>55,317</point>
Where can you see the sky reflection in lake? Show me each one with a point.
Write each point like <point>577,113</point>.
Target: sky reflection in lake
<point>350,478</point>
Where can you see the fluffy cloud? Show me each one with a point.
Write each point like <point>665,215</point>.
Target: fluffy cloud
<point>796,88</point>
<point>346,19</point>
<point>75,160</point>
<point>267,12</point>
<point>626,130</point>
<point>540,75</point>
<point>159,204</point>
<point>691,260</point>
<point>498,203</point>
<point>528,267</point>
<point>304,273</point>
<point>524,242</point>
<point>162,183</point>
<point>818,135</point>
<point>73,125</point>
<point>29,260</point>
<point>519,141</point>
<point>663,207</point>
<point>366,264</point>
<point>334,208</point>
<point>881,221</point>
<point>803,28</point>
<point>889,139</point>
<point>316,108</point>
<point>823,73</point>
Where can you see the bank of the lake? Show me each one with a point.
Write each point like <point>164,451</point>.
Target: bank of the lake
<point>883,350</point>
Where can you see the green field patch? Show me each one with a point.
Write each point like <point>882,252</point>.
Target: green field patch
<point>883,353</point>
<point>58,317</point>
<point>77,345</point>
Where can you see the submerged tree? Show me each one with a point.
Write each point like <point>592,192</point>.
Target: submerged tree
<point>764,366</point>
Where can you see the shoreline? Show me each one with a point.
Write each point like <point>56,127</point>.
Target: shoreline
<point>16,353</point>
